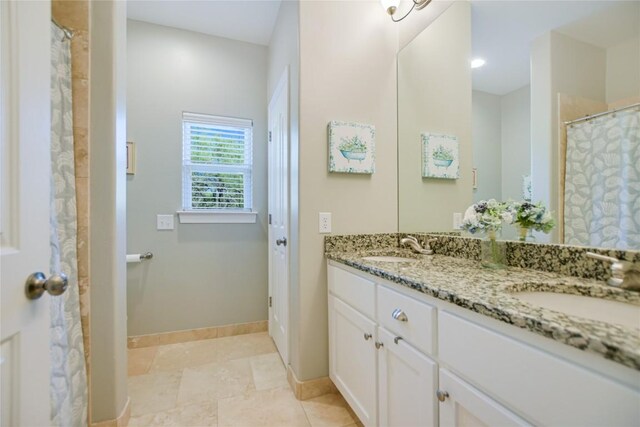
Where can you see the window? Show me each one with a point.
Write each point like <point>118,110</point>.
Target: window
<point>216,164</point>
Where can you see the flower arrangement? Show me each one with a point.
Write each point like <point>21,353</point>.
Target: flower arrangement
<point>486,216</point>
<point>442,153</point>
<point>353,144</point>
<point>532,216</point>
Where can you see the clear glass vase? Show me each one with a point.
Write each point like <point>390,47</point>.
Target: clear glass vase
<point>492,251</point>
<point>526,234</point>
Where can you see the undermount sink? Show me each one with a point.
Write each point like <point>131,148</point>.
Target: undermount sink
<point>617,312</point>
<point>388,259</point>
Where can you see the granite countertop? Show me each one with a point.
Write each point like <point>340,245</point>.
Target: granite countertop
<point>464,283</point>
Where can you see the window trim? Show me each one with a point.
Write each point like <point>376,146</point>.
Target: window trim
<point>216,215</point>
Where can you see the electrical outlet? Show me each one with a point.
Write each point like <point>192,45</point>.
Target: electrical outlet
<point>324,222</point>
<point>457,220</point>
<point>164,222</point>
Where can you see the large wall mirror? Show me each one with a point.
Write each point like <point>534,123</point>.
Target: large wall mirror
<point>514,128</point>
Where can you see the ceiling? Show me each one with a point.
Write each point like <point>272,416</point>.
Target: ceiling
<point>250,21</point>
<point>503,32</point>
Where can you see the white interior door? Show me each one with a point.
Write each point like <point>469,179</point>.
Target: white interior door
<point>279,217</point>
<point>25,164</point>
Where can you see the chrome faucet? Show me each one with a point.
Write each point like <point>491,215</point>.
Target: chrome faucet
<point>415,246</point>
<point>624,274</point>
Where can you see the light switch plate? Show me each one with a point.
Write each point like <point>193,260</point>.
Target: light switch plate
<point>165,222</point>
<point>324,222</point>
<point>457,221</point>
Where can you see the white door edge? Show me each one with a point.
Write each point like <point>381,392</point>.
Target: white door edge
<point>282,343</point>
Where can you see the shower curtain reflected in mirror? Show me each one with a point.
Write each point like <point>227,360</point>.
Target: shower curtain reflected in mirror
<point>68,386</point>
<point>602,188</point>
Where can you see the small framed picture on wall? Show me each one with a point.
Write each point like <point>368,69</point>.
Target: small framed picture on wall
<point>131,158</point>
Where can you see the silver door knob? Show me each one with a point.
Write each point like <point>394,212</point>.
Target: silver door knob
<point>442,395</point>
<point>379,345</point>
<point>282,241</point>
<point>400,315</point>
<point>37,283</point>
<point>367,336</point>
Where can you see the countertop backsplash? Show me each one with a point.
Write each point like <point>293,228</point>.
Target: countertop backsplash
<point>554,258</point>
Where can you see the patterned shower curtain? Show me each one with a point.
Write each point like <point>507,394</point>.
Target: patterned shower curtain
<point>602,188</point>
<point>68,374</point>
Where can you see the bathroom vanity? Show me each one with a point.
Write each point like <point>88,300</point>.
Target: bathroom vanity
<point>437,340</point>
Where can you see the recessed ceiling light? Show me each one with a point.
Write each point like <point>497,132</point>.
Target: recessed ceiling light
<point>477,62</point>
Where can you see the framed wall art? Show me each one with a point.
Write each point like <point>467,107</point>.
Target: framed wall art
<point>351,147</point>
<point>440,156</point>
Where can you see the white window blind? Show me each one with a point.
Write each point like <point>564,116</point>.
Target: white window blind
<point>216,163</point>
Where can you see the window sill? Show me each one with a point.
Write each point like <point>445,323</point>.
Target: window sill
<point>211,217</point>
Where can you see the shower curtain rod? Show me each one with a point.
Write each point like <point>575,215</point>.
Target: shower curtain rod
<point>68,33</point>
<point>593,116</point>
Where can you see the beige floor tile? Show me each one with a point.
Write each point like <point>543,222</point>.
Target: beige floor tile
<point>268,371</point>
<point>215,381</point>
<point>354,416</point>
<point>241,346</point>
<point>191,415</point>
<point>329,410</point>
<point>272,408</point>
<point>151,393</point>
<point>140,360</point>
<point>174,357</point>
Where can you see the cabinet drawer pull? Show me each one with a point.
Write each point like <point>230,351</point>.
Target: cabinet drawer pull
<point>379,344</point>
<point>367,336</point>
<point>400,315</point>
<point>397,339</point>
<point>442,395</point>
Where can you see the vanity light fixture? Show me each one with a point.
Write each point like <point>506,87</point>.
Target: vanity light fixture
<point>391,6</point>
<point>477,62</point>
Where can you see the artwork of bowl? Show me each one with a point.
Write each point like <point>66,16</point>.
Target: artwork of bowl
<point>353,155</point>
<point>444,163</point>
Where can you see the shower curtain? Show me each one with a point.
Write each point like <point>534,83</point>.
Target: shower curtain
<point>602,182</point>
<point>68,386</point>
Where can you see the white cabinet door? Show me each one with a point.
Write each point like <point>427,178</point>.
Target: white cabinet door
<point>352,358</point>
<point>464,406</point>
<point>408,381</point>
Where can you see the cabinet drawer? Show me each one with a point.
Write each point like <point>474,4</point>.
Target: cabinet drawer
<point>545,388</point>
<point>417,329</point>
<point>355,290</point>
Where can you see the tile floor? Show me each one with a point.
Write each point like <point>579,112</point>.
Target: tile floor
<point>231,381</point>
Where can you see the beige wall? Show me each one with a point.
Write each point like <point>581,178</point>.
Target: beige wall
<point>487,144</point>
<point>516,141</point>
<point>199,269</point>
<point>418,20</point>
<point>501,145</point>
<point>348,72</point>
<point>434,95</point>
<point>107,160</point>
<point>623,70</point>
